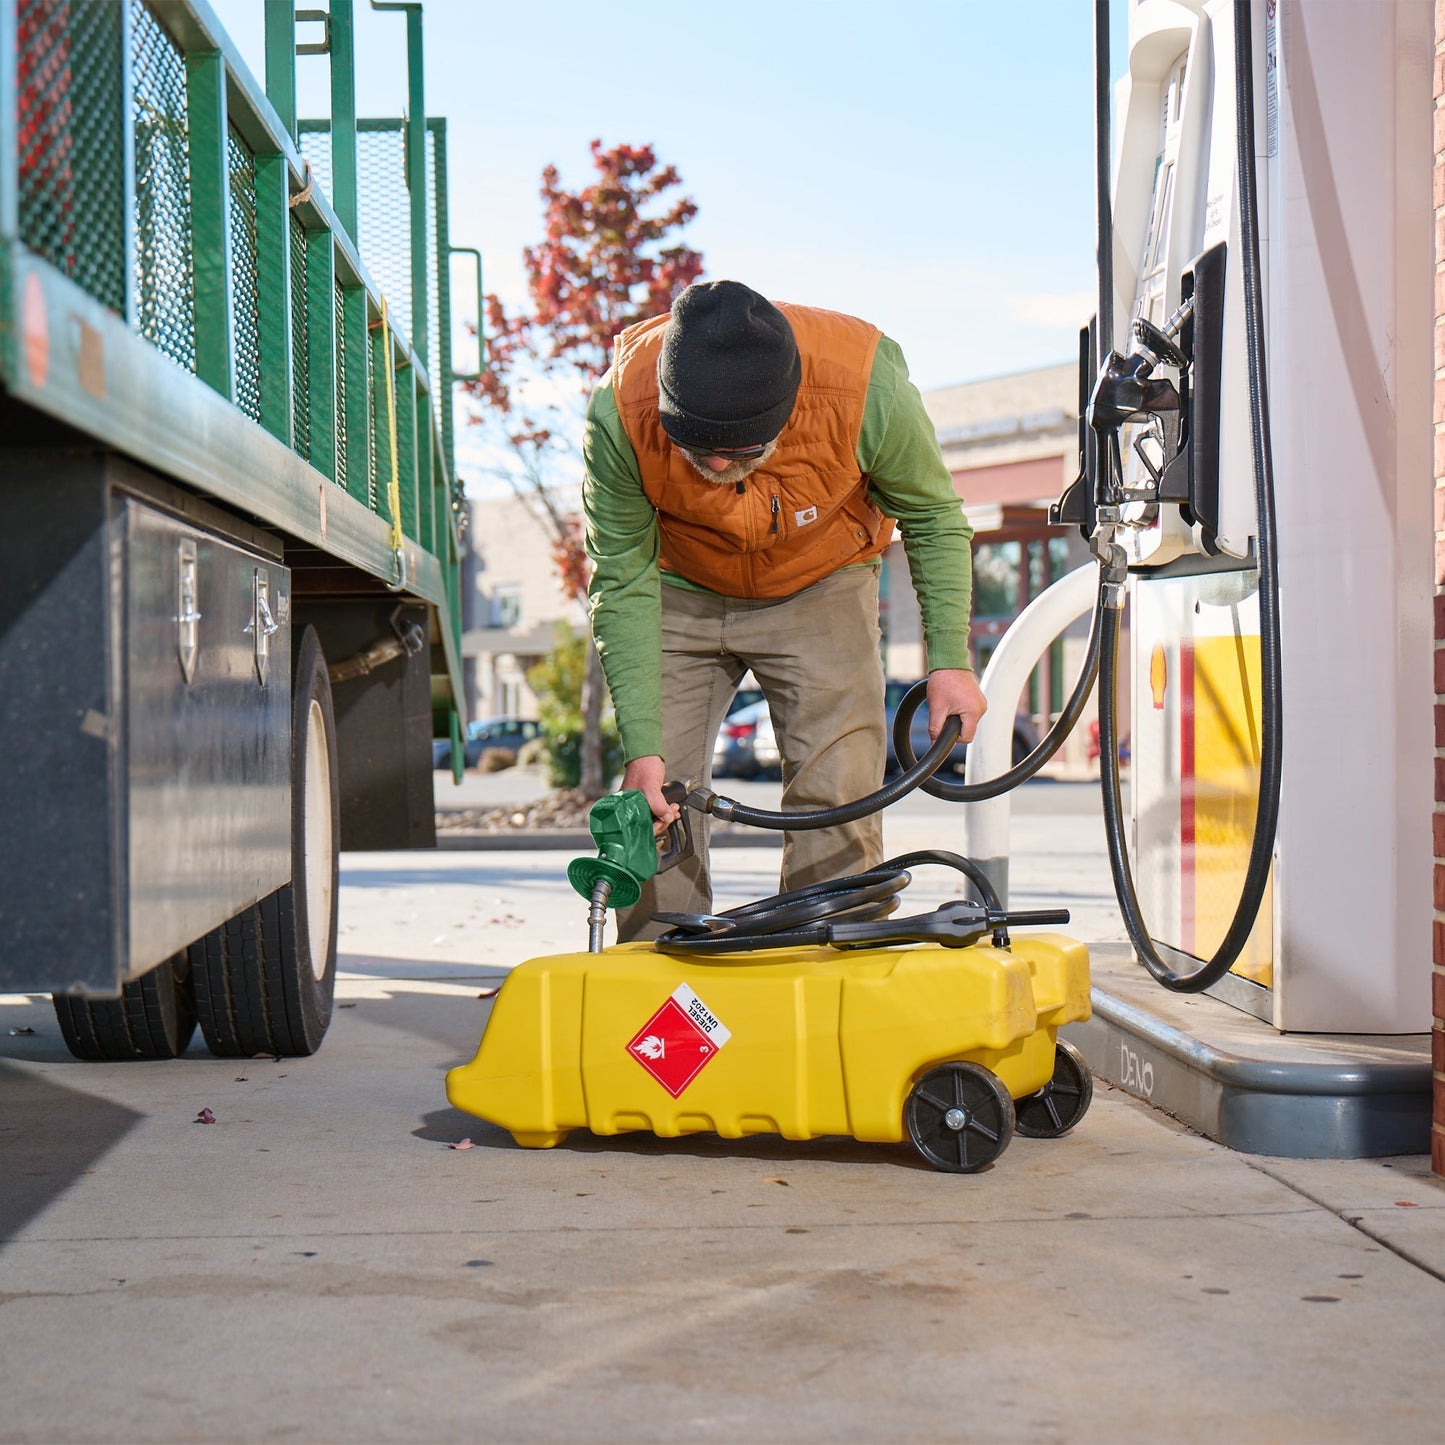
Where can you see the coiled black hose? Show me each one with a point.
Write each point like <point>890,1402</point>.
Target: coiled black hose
<point>1025,768</point>
<point>922,772</point>
<point>1103,201</point>
<point>732,811</point>
<point>791,919</point>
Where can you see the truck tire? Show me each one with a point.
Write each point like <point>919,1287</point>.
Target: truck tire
<point>265,979</point>
<point>153,1018</point>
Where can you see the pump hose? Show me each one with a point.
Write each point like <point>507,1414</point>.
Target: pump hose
<point>1103,203</point>
<point>1025,768</point>
<point>783,920</point>
<point>732,811</point>
<point>1256,877</point>
<point>921,772</point>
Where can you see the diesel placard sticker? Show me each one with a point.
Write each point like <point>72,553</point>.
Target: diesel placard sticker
<point>678,1040</point>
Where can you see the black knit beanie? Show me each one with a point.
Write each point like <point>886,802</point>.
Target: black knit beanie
<point>729,370</point>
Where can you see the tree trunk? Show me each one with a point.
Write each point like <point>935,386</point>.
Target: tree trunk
<point>593,686</point>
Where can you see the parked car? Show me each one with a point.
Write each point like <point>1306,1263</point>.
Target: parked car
<point>485,734</point>
<point>747,747</point>
<point>732,752</point>
<point>766,757</point>
<point>745,697</point>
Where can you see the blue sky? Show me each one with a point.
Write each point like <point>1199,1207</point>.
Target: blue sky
<point>926,164</point>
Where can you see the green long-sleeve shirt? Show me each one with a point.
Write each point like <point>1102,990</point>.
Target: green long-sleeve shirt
<point>898,455</point>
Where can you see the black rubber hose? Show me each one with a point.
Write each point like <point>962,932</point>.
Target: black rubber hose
<point>1025,768</point>
<point>1103,201</point>
<point>732,811</point>
<point>783,920</point>
<point>1256,878</point>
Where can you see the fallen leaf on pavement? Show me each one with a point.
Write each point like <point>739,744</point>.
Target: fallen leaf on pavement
<point>783,1182</point>
<point>204,1117</point>
<point>489,992</point>
<point>461,1144</point>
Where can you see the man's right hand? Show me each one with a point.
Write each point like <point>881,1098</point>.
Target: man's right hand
<point>648,775</point>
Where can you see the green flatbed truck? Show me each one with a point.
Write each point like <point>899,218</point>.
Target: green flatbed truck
<point>229,607</point>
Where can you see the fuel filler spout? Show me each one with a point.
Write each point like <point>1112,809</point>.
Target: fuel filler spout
<point>628,853</point>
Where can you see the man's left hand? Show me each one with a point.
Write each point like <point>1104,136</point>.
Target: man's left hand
<point>954,692</point>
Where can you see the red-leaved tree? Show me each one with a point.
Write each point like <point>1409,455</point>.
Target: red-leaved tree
<point>609,256</point>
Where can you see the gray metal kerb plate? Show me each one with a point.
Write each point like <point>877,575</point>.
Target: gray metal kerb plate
<point>1242,1084</point>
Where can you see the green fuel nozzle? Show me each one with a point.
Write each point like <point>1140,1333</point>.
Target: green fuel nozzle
<point>629,852</point>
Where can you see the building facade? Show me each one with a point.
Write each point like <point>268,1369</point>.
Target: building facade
<point>512,605</point>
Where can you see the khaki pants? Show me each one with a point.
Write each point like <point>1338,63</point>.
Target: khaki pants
<point>816,657</point>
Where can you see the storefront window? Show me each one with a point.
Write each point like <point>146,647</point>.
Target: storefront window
<point>996,567</point>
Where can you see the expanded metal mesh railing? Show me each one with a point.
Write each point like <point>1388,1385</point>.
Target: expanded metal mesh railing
<point>384,221</point>
<point>69,84</point>
<point>245,287</point>
<point>300,343</point>
<point>164,289</point>
<point>149,173</point>
<point>383,215</point>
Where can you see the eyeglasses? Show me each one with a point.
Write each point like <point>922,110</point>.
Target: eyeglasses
<point>732,454</point>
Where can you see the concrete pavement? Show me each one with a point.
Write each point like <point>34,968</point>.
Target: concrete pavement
<point>319,1264</point>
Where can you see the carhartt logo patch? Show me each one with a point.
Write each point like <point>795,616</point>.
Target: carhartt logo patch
<point>808,514</point>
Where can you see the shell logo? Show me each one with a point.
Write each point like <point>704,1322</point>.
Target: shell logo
<point>1158,675</point>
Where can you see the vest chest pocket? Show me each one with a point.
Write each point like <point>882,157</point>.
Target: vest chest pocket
<point>771,538</point>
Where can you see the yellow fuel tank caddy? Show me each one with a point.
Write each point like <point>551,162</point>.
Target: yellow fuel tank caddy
<point>929,1043</point>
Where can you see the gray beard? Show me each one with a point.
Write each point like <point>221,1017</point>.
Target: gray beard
<point>734,472</point>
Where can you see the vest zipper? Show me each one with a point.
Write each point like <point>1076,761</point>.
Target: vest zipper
<point>776,509</point>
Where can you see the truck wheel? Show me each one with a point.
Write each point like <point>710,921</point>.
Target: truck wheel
<point>153,1018</point>
<point>265,979</point>
<point>959,1117</point>
<point>1062,1102</point>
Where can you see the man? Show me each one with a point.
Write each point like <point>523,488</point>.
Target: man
<point>744,464</point>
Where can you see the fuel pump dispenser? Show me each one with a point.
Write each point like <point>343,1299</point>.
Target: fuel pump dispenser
<point>1254,486</point>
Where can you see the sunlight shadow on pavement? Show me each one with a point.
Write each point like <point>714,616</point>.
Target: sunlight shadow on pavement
<point>52,1135</point>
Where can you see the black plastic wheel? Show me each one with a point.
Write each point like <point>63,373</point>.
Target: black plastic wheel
<point>265,979</point>
<point>959,1117</point>
<point>1062,1102</point>
<point>153,1018</point>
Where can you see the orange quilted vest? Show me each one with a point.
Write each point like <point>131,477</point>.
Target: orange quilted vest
<point>802,514</point>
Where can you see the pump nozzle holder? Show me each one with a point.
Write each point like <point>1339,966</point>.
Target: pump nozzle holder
<point>1126,389</point>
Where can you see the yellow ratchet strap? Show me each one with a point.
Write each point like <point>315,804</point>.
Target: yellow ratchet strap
<point>393,489</point>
